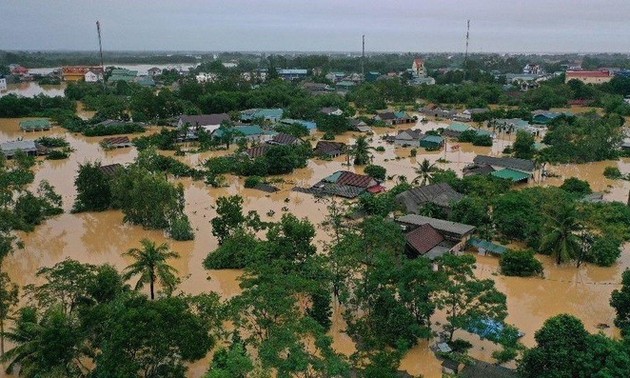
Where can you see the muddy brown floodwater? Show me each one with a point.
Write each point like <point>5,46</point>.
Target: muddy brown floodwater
<point>100,238</point>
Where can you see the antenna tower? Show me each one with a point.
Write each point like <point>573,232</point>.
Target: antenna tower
<point>363,56</point>
<point>466,53</point>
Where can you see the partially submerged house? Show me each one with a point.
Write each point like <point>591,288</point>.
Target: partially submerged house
<point>517,170</point>
<point>329,149</point>
<point>116,142</point>
<point>346,184</point>
<point>331,111</point>
<point>111,169</point>
<point>456,234</point>
<point>427,242</point>
<point>514,125</point>
<point>408,138</point>
<point>251,133</point>
<point>393,118</point>
<point>29,147</point>
<point>309,125</point>
<point>207,122</point>
<point>358,125</point>
<point>271,115</point>
<point>432,142</point>
<point>35,125</point>
<point>258,151</point>
<point>442,195</point>
<point>455,129</point>
<point>543,117</point>
<point>283,139</point>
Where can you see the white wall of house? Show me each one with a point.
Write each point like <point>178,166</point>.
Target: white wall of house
<point>3,84</point>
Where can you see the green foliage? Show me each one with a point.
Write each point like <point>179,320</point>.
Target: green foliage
<point>229,217</point>
<point>31,210</point>
<point>252,181</point>
<point>180,228</point>
<point>58,155</point>
<point>152,161</point>
<point>361,151</point>
<point>236,252</point>
<point>612,173</point>
<point>150,264</point>
<point>565,349</point>
<point>230,363</point>
<point>376,171</point>
<point>164,140</point>
<point>123,128</point>
<point>560,240</point>
<point>471,210</point>
<point>520,264</point>
<point>147,198</point>
<point>523,146</point>
<point>52,142</point>
<point>605,250</point>
<point>93,188</point>
<point>12,106</point>
<point>576,186</point>
<point>472,136</point>
<point>620,301</point>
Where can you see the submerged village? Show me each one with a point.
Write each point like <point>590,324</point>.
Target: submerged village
<point>296,215</point>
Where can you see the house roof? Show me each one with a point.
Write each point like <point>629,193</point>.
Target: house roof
<point>482,369</point>
<point>424,238</point>
<point>244,130</point>
<point>511,174</point>
<point>438,224</point>
<point>414,134</point>
<point>9,148</point>
<point>328,110</point>
<point>275,113</point>
<point>488,246</point>
<point>441,194</point>
<point>478,169</point>
<point>204,119</point>
<point>116,140</point>
<point>111,169</point>
<point>282,138</point>
<point>35,124</point>
<point>325,147</point>
<point>459,127</point>
<point>310,125</point>
<point>340,190</point>
<point>258,151</point>
<point>353,179</point>
<point>433,139</point>
<point>603,73</point>
<point>387,115</point>
<point>505,162</point>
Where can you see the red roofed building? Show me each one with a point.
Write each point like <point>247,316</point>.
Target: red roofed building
<point>589,77</point>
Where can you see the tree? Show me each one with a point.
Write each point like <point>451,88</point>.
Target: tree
<point>8,299</point>
<point>520,264</point>
<point>150,264</point>
<point>576,186</point>
<point>375,171</point>
<point>424,172</point>
<point>361,151</point>
<point>524,145</point>
<point>620,301</point>
<point>465,298</point>
<point>605,250</point>
<point>229,217</point>
<point>560,239</point>
<point>93,188</point>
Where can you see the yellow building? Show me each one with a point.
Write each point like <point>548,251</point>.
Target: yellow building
<point>589,77</point>
<point>77,73</point>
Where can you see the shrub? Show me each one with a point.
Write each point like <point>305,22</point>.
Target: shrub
<point>329,135</point>
<point>612,173</point>
<point>376,171</point>
<point>605,250</point>
<point>520,264</point>
<point>252,181</point>
<point>380,149</point>
<point>413,152</point>
<point>577,186</point>
<point>482,140</point>
<point>57,155</point>
<point>52,142</point>
<point>180,229</point>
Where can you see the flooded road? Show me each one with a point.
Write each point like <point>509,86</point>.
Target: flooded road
<point>86,237</point>
<point>31,89</point>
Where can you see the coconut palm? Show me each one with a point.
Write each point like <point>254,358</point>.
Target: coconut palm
<point>151,266</point>
<point>425,171</point>
<point>361,151</point>
<point>560,239</point>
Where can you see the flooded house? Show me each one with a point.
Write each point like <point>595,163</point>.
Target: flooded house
<point>309,125</point>
<point>271,115</point>
<point>282,139</point>
<point>408,138</point>
<point>35,125</point>
<point>29,147</point>
<point>394,118</point>
<point>453,235</point>
<point>359,125</point>
<point>116,142</point>
<point>331,111</point>
<point>514,169</point>
<point>110,169</point>
<point>207,122</point>
<point>251,133</point>
<point>345,184</point>
<point>329,149</point>
<point>442,195</point>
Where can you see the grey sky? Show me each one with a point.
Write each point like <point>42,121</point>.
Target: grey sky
<point>318,25</point>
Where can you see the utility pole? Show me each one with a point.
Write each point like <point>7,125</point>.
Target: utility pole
<point>100,48</point>
<point>363,56</point>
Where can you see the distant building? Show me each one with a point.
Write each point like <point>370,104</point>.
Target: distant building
<point>282,139</point>
<point>442,195</point>
<point>145,81</point>
<point>393,118</point>
<point>3,84</point>
<point>250,133</point>
<point>16,69</point>
<point>432,237</point>
<point>29,147</point>
<point>122,74</point>
<point>533,69</point>
<point>78,73</point>
<point>154,71</point>
<point>271,115</point>
<point>418,68</point>
<point>309,125</point>
<point>204,77</point>
<point>208,122</point>
<point>346,184</point>
<point>231,64</point>
<point>91,77</point>
<point>116,142</point>
<point>589,77</point>
<point>35,125</point>
<point>331,111</point>
<point>292,73</point>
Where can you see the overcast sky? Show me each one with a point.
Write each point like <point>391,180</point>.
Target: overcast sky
<point>318,25</point>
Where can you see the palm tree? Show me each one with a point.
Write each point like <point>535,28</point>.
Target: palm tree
<point>151,266</point>
<point>361,151</point>
<point>560,238</point>
<point>425,171</point>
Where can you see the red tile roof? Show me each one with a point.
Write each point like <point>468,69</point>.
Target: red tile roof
<point>424,238</point>
<point>353,179</point>
<point>588,73</point>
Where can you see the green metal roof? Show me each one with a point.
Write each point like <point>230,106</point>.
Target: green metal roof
<point>488,246</point>
<point>433,139</point>
<point>511,174</point>
<point>35,124</point>
<point>244,130</point>
<point>126,78</point>
<point>461,127</point>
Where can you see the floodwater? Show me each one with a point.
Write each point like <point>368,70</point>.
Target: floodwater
<point>31,89</point>
<point>87,237</point>
<point>141,68</point>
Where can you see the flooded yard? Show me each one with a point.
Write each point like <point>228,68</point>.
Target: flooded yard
<point>100,238</point>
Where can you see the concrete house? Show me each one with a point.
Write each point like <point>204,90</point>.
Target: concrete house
<point>514,169</point>
<point>282,139</point>
<point>3,84</point>
<point>422,235</point>
<point>331,111</point>
<point>29,147</point>
<point>346,184</point>
<point>92,77</point>
<point>329,149</point>
<point>589,77</point>
<point>432,142</point>
<point>154,71</point>
<point>442,195</point>
<point>207,122</point>
<point>409,138</point>
<point>358,125</point>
